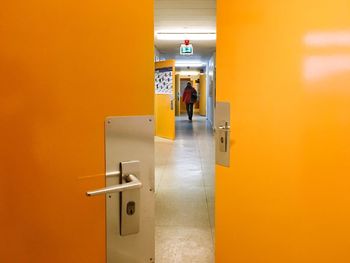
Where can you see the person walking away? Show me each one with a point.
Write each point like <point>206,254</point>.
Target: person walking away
<point>189,97</point>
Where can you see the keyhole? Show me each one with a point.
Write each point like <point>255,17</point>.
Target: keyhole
<point>222,140</point>
<point>130,208</point>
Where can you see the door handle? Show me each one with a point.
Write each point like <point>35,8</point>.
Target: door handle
<point>225,128</point>
<point>224,137</point>
<point>128,200</point>
<point>222,133</point>
<point>132,183</point>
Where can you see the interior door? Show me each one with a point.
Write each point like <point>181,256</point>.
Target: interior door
<point>284,67</point>
<point>64,68</point>
<point>177,95</point>
<point>165,99</point>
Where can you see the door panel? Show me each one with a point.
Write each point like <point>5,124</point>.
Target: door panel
<point>178,95</point>
<point>284,66</point>
<point>203,95</point>
<point>165,105</point>
<point>63,70</point>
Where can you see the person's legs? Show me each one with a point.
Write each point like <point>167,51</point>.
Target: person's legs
<point>191,111</point>
<point>188,110</point>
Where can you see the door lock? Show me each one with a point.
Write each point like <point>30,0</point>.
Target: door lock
<point>130,208</point>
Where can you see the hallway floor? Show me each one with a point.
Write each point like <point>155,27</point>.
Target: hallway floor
<point>185,194</point>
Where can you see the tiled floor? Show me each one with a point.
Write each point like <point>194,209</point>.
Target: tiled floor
<point>185,194</point>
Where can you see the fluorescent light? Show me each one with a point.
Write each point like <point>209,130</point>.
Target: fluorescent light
<point>193,64</point>
<point>184,36</point>
<point>189,73</point>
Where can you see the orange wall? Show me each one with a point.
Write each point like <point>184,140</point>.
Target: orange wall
<point>64,66</point>
<point>164,115</point>
<point>285,68</point>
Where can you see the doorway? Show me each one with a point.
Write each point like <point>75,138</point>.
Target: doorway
<point>185,165</point>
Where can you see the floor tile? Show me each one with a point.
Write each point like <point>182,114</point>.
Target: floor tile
<point>184,245</point>
<point>185,194</point>
<point>182,208</point>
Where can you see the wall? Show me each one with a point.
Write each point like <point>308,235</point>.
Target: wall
<point>211,88</point>
<point>285,68</point>
<point>64,67</point>
<point>157,55</point>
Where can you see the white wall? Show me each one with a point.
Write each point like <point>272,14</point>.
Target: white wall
<point>156,55</point>
<point>211,88</point>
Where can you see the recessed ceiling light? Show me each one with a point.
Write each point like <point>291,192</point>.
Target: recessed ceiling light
<point>194,64</point>
<point>189,73</point>
<point>202,36</point>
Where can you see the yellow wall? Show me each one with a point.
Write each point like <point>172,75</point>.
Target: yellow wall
<point>284,66</point>
<point>64,66</point>
<point>164,115</point>
<point>203,95</point>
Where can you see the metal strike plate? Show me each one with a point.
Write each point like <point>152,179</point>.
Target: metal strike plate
<point>222,133</point>
<point>129,200</point>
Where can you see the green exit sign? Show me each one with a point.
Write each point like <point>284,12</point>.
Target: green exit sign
<point>186,50</point>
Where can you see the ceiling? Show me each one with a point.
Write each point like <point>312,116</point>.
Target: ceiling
<point>190,16</point>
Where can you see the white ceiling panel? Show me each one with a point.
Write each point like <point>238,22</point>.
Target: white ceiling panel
<point>189,16</point>
<point>183,4</point>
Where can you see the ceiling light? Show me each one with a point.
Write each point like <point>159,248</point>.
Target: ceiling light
<point>182,36</point>
<point>189,73</point>
<point>193,64</point>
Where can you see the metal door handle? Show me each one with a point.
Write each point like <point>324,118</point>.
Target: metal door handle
<point>127,199</point>
<point>222,133</point>
<point>225,128</point>
<point>224,140</point>
<point>132,183</point>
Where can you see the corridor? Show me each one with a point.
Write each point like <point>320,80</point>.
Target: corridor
<point>185,194</point>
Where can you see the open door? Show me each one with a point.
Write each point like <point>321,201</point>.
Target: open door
<point>284,69</point>
<point>66,77</point>
<point>177,95</point>
<point>164,105</point>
